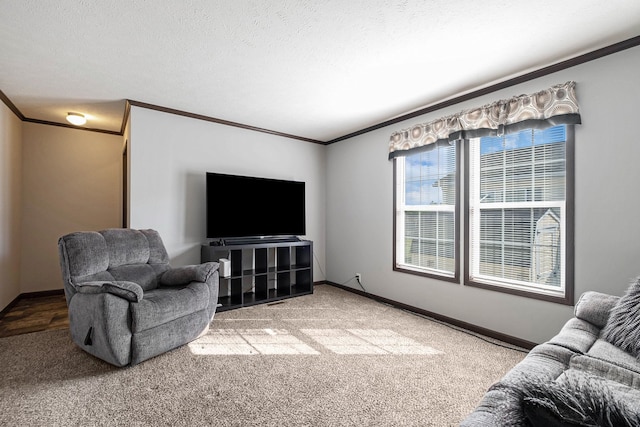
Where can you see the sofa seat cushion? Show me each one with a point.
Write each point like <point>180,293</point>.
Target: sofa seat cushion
<point>605,369</point>
<point>164,305</point>
<point>608,352</point>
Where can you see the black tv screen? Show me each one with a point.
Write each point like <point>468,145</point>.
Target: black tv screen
<point>244,206</point>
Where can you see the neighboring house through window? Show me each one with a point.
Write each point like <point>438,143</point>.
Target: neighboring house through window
<point>518,214</point>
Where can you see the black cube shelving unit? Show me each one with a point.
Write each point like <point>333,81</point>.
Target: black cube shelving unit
<point>262,272</point>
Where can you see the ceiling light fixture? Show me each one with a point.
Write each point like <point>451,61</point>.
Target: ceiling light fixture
<point>76,119</point>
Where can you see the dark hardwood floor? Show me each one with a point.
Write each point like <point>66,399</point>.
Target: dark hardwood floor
<point>35,314</point>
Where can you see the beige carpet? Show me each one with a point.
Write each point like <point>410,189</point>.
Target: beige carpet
<point>328,359</point>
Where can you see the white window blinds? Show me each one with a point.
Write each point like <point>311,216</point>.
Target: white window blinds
<point>517,210</point>
<point>426,196</point>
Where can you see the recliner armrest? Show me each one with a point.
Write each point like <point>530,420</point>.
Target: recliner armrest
<point>594,307</point>
<point>128,290</point>
<point>180,276</point>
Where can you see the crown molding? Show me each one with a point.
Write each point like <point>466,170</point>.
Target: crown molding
<point>220,121</point>
<point>64,125</point>
<point>22,117</point>
<point>581,59</point>
<point>125,116</point>
<point>11,105</point>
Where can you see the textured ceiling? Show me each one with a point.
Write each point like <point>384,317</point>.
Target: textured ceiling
<point>315,69</point>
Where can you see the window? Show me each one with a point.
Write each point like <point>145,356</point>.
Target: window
<point>519,208</point>
<point>518,195</point>
<point>518,199</point>
<point>426,212</point>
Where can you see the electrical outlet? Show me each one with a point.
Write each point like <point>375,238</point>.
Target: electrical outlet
<point>359,277</point>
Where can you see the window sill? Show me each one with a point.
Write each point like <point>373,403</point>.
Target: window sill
<point>567,299</point>
<point>424,273</point>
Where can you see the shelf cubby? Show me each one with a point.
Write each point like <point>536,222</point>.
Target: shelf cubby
<point>262,272</point>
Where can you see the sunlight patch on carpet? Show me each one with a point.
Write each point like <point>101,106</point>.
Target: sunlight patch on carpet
<point>367,341</point>
<point>249,341</point>
<point>281,341</point>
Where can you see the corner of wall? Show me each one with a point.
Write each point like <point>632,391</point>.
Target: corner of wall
<point>10,205</point>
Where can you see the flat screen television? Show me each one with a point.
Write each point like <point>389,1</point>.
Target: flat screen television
<point>247,207</point>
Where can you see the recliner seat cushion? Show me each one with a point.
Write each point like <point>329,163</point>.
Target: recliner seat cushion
<point>142,274</point>
<point>166,304</point>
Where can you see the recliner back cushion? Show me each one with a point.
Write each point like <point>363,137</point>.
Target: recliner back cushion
<point>136,255</point>
<point>116,254</point>
<point>86,253</point>
<point>126,246</point>
<point>157,252</point>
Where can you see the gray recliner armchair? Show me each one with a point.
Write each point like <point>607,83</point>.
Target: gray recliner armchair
<point>126,303</point>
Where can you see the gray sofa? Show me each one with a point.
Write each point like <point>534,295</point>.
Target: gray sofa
<point>126,304</point>
<point>587,375</point>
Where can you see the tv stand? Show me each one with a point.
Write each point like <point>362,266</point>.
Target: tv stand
<point>262,272</point>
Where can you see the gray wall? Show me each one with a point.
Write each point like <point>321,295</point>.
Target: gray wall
<point>607,231</point>
<point>169,156</point>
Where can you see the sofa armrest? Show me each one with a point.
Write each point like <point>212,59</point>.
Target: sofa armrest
<point>128,290</point>
<point>182,276</point>
<point>594,307</point>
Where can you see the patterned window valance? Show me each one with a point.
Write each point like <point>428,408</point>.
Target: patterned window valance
<point>550,107</point>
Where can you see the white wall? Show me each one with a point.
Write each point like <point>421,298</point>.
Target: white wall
<point>71,182</point>
<point>10,204</point>
<point>607,230</point>
<point>169,156</point>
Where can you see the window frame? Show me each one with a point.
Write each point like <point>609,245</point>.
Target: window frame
<point>431,273</point>
<point>568,298</point>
